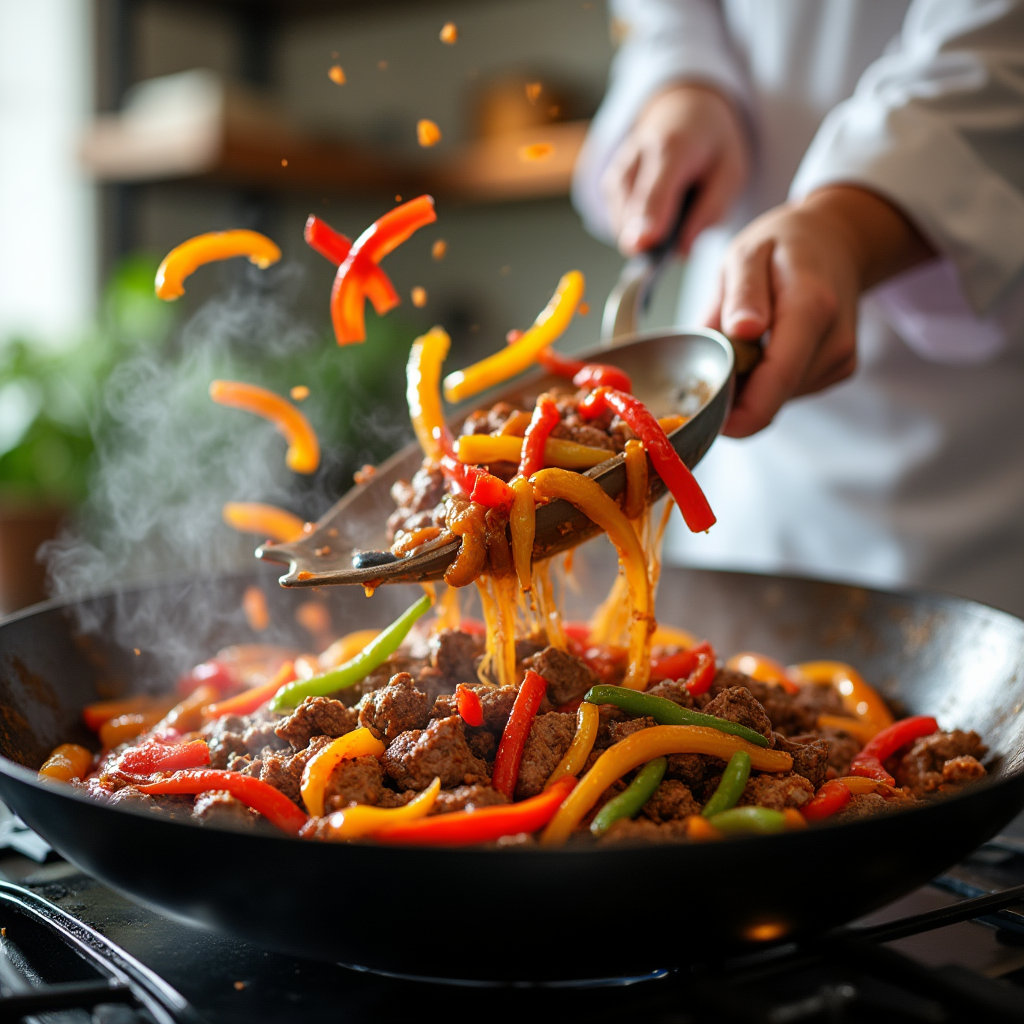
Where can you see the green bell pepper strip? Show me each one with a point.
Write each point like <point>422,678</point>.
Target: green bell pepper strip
<point>741,821</point>
<point>628,803</point>
<point>375,653</point>
<point>730,789</point>
<point>666,712</point>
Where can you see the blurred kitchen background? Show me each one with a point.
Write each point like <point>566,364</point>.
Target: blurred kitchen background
<point>126,126</point>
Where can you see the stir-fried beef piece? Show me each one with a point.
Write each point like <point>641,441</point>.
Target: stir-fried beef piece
<point>864,805</point>
<point>417,756</point>
<point>260,734</point>
<point>283,770</point>
<point>527,647</point>
<point>922,770</point>
<point>842,747</point>
<point>316,716</point>
<point>672,801</point>
<point>224,738</point>
<point>482,742</point>
<point>608,715</point>
<point>358,780</point>
<point>219,807</point>
<point>568,677</point>
<point>173,805</point>
<point>394,708</point>
<point>454,654</point>
<point>643,830</point>
<point>788,714</point>
<point>496,702</point>
<point>463,798</point>
<point>549,739</point>
<point>693,769</point>
<point>583,433</point>
<point>674,690</point>
<point>777,791</point>
<point>738,704</point>
<point>487,421</point>
<point>810,756</point>
<point>618,731</point>
<point>422,494</point>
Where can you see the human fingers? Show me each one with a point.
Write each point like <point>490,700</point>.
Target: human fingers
<point>746,304</point>
<point>617,183</point>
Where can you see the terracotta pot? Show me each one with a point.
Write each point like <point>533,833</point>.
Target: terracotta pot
<point>24,525</point>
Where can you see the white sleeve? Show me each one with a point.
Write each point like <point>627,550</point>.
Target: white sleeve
<point>665,41</point>
<point>937,127</point>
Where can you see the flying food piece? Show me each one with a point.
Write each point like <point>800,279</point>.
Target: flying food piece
<point>427,133</point>
<point>186,258</point>
<point>264,520</point>
<point>535,152</point>
<point>449,33</point>
<point>336,75</point>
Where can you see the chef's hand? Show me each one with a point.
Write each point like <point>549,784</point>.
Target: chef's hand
<point>687,135</point>
<point>798,272</point>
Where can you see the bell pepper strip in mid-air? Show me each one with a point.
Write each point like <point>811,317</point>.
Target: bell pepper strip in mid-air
<point>164,757</point>
<point>248,701</point>
<point>513,740</point>
<point>730,789</point>
<point>666,712</point>
<point>476,449</point>
<point>859,699</point>
<point>740,821</point>
<point>545,418</point>
<point>260,796</point>
<point>629,802</point>
<point>523,352</point>
<point>423,390</point>
<point>183,259</point>
<point>831,798</point>
<point>303,446</point>
<point>680,664</point>
<point>366,820</point>
<point>587,496</point>
<point>522,524</point>
<point>484,825</point>
<point>68,761</point>
<point>375,653</point>
<point>334,246</point>
<point>584,375</point>
<point>277,524</point>
<point>665,459</point>
<point>588,719</point>
<point>869,762</point>
<point>471,711</point>
<point>357,743</point>
<point>644,746</point>
<point>764,669</point>
<point>351,286</point>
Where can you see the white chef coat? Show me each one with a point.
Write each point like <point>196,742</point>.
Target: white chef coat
<point>910,473</point>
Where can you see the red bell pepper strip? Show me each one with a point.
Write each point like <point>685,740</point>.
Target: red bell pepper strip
<point>585,375</point>
<point>833,796</point>
<point>883,745</point>
<point>381,237</point>
<point>334,246</point>
<point>545,418</point>
<point>667,463</point>
<point>260,796</point>
<point>577,631</point>
<point>161,757</point>
<point>510,750</point>
<point>248,701</point>
<point>679,665</point>
<point>703,673</point>
<point>471,711</point>
<point>484,825</point>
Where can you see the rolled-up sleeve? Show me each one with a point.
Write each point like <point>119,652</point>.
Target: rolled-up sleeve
<point>936,126</point>
<point>665,41</point>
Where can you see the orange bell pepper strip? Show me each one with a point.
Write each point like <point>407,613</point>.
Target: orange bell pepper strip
<point>358,743</point>
<point>187,714</point>
<point>523,352</point>
<point>183,259</point>
<point>68,761</point>
<point>127,727</point>
<point>334,246</point>
<point>764,669</point>
<point>94,715</point>
<point>303,446</point>
<point>255,697</point>
<point>860,700</point>
<point>264,520</point>
<point>364,820</point>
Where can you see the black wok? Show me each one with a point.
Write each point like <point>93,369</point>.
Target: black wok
<point>525,913</point>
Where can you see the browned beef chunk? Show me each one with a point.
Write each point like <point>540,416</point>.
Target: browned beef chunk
<point>464,798</point>
<point>245,764</point>
<point>958,770</point>
<point>922,769</point>
<point>608,715</point>
<point>422,494</point>
<point>260,732</point>
<point>643,830</point>
<point>316,716</point>
<point>672,801</point>
<point>496,702</point>
<point>283,769</point>
<point>486,421</point>
<point>777,791</point>
<point>357,780</point>
<point>527,647</point>
<point>482,743</point>
<point>454,654</point>
<point>417,756</point>
<point>693,769</point>
<point>618,731</point>
<point>863,805</point>
<point>171,805</point>
<point>219,807</point>
<point>738,704</point>
<point>842,747</point>
<point>810,756</point>
<point>224,738</point>
<point>583,433</point>
<point>418,668</point>
<point>549,739</point>
<point>674,690</point>
<point>568,677</point>
<point>788,714</point>
<point>394,708</point>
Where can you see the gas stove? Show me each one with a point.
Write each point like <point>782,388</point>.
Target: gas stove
<point>75,952</point>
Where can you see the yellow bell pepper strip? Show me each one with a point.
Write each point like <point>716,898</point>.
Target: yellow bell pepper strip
<point>764,669</point>
<point>255,697</point>
<point>375,653</point>
<point>480,449</point>
<point>364,820</point>
<point>183,259</point>
<point>484,825</point>
<point>644,746</point>
<point>358,743</point>
<point>588,497</point>
<point>523,353</point>
<point>522,522</point>
<point>860,730</point>
<point>742,821</point>
<point>698,830</point>
<point>254,793</point>
<point>68,761</point>
<point>277,524</point>
<point>629,803</point>
<point>666,712</point>
<point>588,720</point>
<point>636,479</point>
<point>730,789</point>
<point>303,446</point>
<point>423,390</point>
<point>860,700</point>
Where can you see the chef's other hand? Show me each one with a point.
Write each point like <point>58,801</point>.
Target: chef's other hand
<point>798,272</point>
<point>687,135</point>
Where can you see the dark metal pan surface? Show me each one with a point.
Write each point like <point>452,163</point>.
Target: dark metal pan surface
<point>521,913</point>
